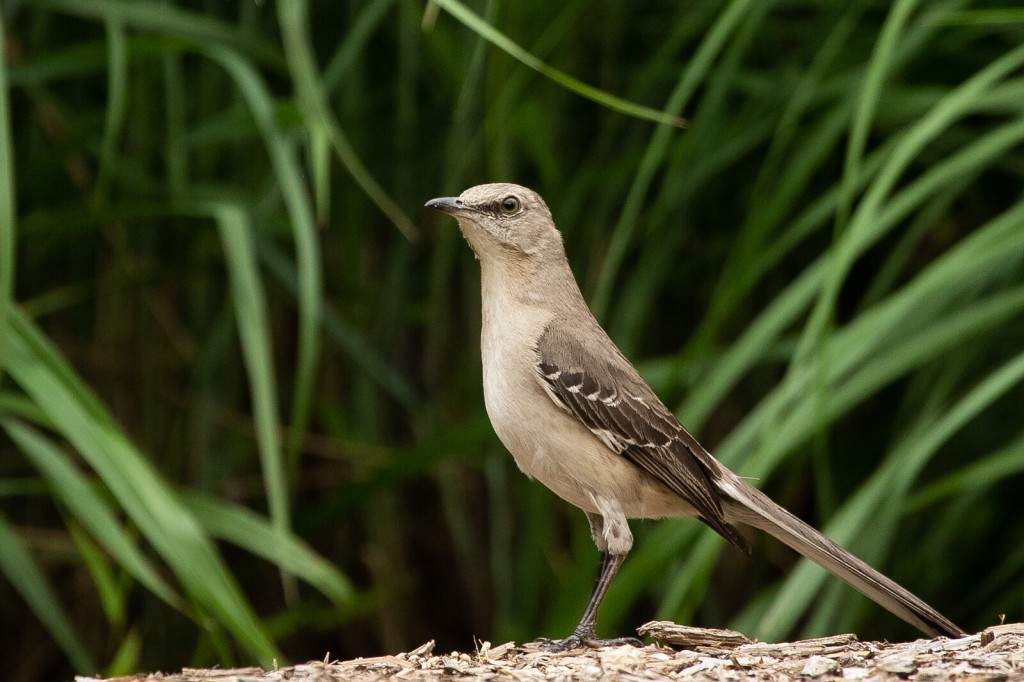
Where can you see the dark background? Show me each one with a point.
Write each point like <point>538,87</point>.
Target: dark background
<point>240,405</point>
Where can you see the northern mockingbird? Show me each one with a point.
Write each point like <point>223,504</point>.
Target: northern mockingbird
<point>577,416</point>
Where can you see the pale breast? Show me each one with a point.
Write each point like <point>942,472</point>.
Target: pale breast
<point>553,447</point>
<point>548,443</point>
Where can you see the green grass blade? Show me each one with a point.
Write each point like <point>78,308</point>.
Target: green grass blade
<point>473,21</point>
<point>347,337</point>
<point>692,76</point>
<point>7,209</point>
<point>320,165</point>
<point>879,68</point>
<point>987,17</point>
<point>168,19</point>
<point>176,102</point>
<point>35,344</point>
<point>125,660</point>
<point>990,251</point>
<point>246,529</point>
<point>902,466</point>
<point>17,405</point>
<point>775,318</point>
<point>27,578</point>
<point>249,301</point>
<point>303,227</point>
<point>294,19</point>
<point>976,475</point>
<point>117,95</point>
<point>145,497</point>
<point>72,489</point>
<point>112,595</point>
<point>371,16</point>
<point>959,102</point>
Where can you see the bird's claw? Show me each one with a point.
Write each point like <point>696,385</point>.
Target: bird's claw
<point>580,641</point>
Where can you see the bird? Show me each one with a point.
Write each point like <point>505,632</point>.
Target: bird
<point>577,416</point>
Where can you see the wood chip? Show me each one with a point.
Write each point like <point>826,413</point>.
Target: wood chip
<point>805,647</point>
<point>424,649</point>
<point>666,632</point>
<point>816,666</point>
<point>719,659</point>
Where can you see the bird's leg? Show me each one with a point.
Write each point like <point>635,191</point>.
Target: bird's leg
<point>585,635</point>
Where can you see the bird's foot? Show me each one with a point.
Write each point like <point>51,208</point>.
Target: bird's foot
<point>580,640</point>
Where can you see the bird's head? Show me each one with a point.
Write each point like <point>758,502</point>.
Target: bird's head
<point>502,222</point>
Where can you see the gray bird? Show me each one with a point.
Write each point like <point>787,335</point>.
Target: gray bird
<point>578,417</point>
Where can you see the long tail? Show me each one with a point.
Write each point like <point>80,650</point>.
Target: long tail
<point>748,505</point>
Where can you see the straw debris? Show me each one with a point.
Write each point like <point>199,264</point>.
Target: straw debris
<point>723,656</point>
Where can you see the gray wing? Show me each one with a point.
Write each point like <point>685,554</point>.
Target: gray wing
<point>603,390</point>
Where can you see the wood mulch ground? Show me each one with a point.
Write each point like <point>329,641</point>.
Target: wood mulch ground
<point>683,654</point>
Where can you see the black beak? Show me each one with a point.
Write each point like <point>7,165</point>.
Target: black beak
<point>450,205</point>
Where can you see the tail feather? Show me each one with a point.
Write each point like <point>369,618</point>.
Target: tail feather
<point>748,505</point>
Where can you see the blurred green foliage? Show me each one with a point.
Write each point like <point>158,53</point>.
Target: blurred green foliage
<point>240,397</point>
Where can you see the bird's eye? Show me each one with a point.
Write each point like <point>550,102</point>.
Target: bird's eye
<point>509,205</point>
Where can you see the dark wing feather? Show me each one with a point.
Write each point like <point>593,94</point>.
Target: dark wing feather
<point>608,396</point>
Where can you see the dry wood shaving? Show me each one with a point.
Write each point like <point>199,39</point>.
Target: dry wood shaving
<point>723,656</point>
